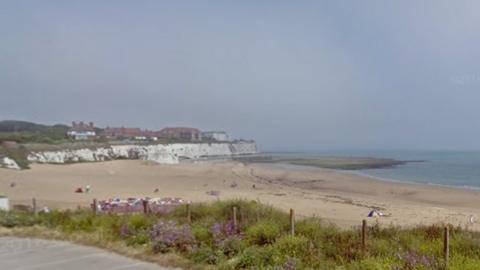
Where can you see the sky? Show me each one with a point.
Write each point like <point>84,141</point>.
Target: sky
<point>293,75</point>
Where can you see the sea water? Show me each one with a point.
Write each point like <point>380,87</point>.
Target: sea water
<point>448,168</point>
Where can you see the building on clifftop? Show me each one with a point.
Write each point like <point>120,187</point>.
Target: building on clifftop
<point>82,131</point>
<point>181,133</point>
<point>128,133</point>
<point>220,136</point>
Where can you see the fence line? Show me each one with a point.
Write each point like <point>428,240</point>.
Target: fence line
<point>364,235</point>
<point>364,228</point>
<point>189,213</point>
<point>446,246</point>
<point>292,222</point>
<point>34,206</point>
<point>235,224</point>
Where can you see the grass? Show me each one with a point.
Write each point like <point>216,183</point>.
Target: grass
<point>261,241</point>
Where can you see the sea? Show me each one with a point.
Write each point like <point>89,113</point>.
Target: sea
<point>460,169</point>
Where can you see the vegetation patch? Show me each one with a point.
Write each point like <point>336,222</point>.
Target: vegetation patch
<point>259,239</point>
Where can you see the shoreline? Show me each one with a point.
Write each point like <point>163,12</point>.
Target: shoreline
<point>391,180</point>
<point>341,197</point>
<point>362,173</point>
<point>372,177</point>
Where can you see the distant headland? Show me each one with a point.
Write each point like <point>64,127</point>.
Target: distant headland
<point>23,143</point>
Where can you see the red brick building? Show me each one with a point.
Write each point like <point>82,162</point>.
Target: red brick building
<point>82,131</point>
<point>181,133</point>
<point>123,132</point>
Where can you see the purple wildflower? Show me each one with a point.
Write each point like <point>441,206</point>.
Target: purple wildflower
<point>290,264</point>
<point>221,232</point>
<point>414,260</point>
<point>167,235</point>
<point>229,229</point>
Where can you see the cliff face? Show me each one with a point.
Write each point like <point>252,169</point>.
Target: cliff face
<point>165,154</point>
<point>8,163</point>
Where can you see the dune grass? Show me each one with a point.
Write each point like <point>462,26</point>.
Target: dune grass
<point>260,241</point>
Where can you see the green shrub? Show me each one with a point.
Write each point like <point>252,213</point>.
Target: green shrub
<point>375,264</point>
<point>55,218</point>
<point>314,230</point>
<point>381,248</point>
<point>110,225</point>
<point>138,239</point>
<point>258,257</point>
<point>263,233</point>
<point>292,246</point>
<point>137,222</point>
<point>407,240</point>
<point>17,218</point>
<point>232,246</point>
<point>459,262</point>
<point>205,254</point>
<point>342,247</point>
<point>202,234</point>
<point>467,244</point>
<point>8,221</point>
<point>80,222</point>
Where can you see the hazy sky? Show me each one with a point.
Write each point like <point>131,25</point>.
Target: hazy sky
<point>294,75</point>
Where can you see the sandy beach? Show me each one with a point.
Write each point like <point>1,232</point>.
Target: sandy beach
<point>341,198</point>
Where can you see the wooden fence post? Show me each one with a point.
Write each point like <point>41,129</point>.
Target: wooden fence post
<point>145,207</point>
<point>242,217</point>
<point>94,206</point>
<point>189,213</point>
<point>292,222</point>
<point>34,206</point>
<point>364,235</point>
<point>446,248</point>
<point>235,224</point>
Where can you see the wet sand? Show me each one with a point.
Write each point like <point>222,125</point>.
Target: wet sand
<point>342,198</point>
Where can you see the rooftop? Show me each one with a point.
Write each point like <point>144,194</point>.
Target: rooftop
<point>81,126</point>
<point>179,129</point>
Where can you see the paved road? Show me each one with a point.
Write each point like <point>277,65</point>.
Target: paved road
<point>35,254</point>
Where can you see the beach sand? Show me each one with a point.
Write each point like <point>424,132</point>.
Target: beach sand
<point>339,197</point>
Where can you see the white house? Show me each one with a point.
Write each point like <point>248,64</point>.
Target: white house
<point>82,131</point>
<point>221,136</point>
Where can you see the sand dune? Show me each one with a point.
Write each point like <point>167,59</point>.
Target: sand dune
<point>342,198</point>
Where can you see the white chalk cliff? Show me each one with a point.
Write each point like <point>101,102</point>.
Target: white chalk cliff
<point>161,153</point>
<point>9,163</point>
